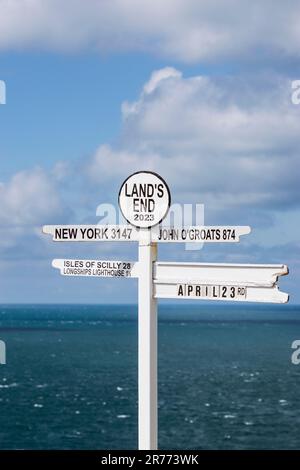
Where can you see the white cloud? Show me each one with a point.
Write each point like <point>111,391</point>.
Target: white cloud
<point>155,81</point>
<point>231,141</point>
<point>27,197</point>
<point>188,30</point>
<point>107,164</point>
<point>27,201</point>
<point>158,76</point>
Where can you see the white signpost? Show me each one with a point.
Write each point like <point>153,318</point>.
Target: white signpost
<point>144,200</point>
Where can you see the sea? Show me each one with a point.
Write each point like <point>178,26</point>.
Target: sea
<point>226,377</point>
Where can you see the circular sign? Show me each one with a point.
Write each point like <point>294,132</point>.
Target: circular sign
<point>144,199</point>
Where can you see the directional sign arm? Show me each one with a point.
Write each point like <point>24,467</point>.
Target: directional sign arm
<point>199,234</point>
<point>231,282</point>
<point>96,268</point>
<point>91,233</point>
<point>160,234</point>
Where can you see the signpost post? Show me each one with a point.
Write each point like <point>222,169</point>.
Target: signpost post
<point>147,346</point>
<point>144,200</point>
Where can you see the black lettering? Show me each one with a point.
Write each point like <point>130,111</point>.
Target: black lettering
<point>142,190</point>
<point>151,205</point>
<point>180,290</point>
<point>189,290</point>
<point>134,191</point>
<point>136,205</point>
<point>144,205</point>
<point>208,235</point>
<point>160,190</point>
<point>127,194</point>
<point>150,190</point>
<point>98,233</point>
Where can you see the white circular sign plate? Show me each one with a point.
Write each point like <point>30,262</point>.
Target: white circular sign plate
<point>144,199</point>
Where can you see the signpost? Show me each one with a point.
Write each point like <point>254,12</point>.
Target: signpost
<point>144,200</point>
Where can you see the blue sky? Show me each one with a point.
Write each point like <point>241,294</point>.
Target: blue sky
<point>201,95</point>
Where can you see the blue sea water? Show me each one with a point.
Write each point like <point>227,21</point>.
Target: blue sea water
<point>226,380</point>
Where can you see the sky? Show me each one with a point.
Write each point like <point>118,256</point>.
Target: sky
<point>200,92</point>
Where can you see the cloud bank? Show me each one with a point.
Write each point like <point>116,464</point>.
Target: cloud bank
<point>232,142</point>
<point>185,30</point>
